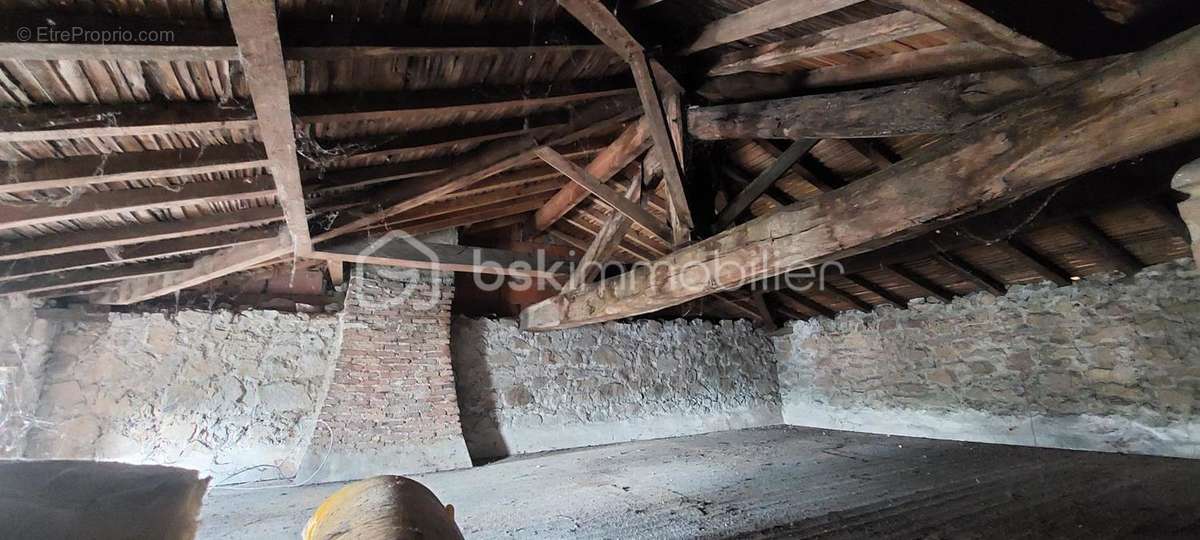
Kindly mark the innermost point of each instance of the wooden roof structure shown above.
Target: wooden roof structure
(153, 146)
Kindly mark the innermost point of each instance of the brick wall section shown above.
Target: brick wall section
(391, 407)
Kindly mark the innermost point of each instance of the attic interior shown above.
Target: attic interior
(644, 268)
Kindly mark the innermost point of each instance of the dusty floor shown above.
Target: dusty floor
(783, 483)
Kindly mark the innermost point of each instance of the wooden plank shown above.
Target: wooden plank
(207, 268)
(975, 275)
(257, 33)
(33, 266)
(977, 26)
(136, 234)
(134, 200)
(606, 194)
(759, 185)
(784, 54)
(1136, 105)
(84, 278)
(761, 18)
(939, 106)
(632, 142)
(337, 272)
(1107, 248)
(605, 243)
(79, 171)
(408, 252)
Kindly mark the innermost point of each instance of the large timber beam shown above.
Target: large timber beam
(1132, 106)
(257, 32)
(404, 251)
(606, 194)
(937, 106)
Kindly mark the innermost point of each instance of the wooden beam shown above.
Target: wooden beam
(764, 312)
(465, 218)
(257, 34)
(937, 106)
(669, 154)
(1028, 256)
(44, 123)
(135, 200)
(136, 234)
(973, 274)
(632, 142)
(605, 243)
(1108, 249)
(761, 18)
(977, 26)
(207, 268)
(878, 154)
(84, 278)
(605, 26)
(33, 266)
(759, 185)
(823, 183)
(79, 171)
(197, 40)
(847, 297)
(784, 54)
(487, 161)
(882, 292)
(803, 303)
(916, 281)
(407, 252)
(943, 60)
(1135, 104)
(606, 194)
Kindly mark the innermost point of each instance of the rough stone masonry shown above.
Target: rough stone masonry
(522, 392)
(1110, 365)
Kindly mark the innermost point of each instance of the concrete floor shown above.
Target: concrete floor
(782, 483)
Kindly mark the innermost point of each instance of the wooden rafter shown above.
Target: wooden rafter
(1028, 256)
(257, 33)
(783, 54)
(1136, 104)
(403, 252)
(605, 26)
(975, 275)
(939, 106)
(88, 277)
(761, 18)
(974, 24)
(133, 200)
(138, 252)
(1106, 247)
(920, 283)
(605, 243)
(759, 185)
(606, 194)
(882, 292)
(79, 171)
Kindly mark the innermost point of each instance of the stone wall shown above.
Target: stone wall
(217, 392)
(24, 345)
(522, 392)
(1105, 365)
(391, 407)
